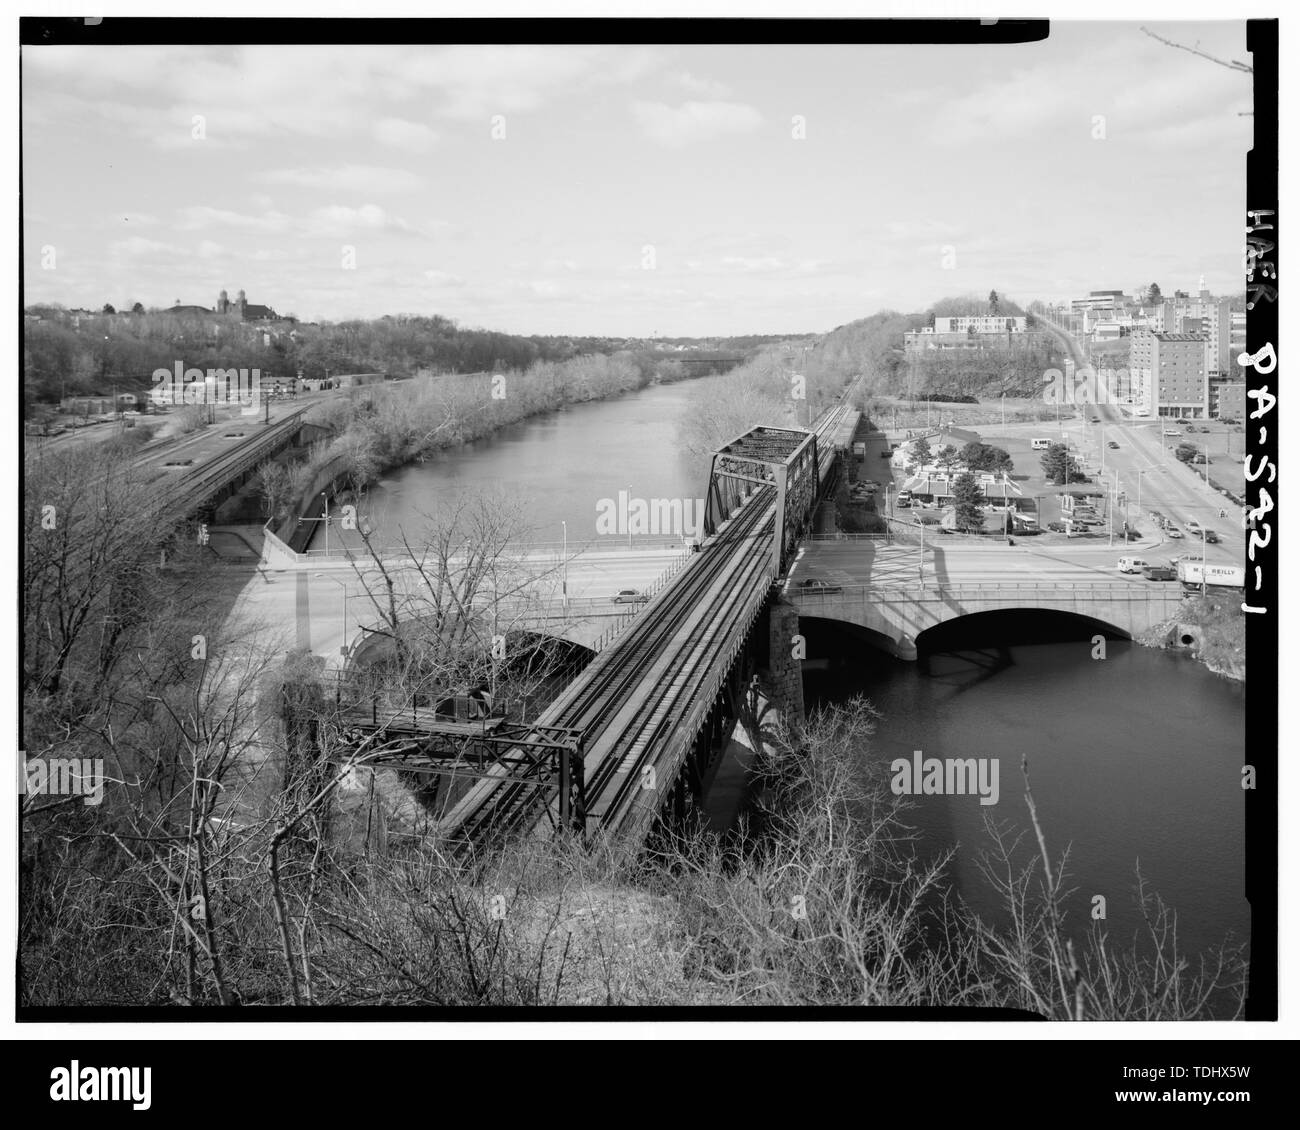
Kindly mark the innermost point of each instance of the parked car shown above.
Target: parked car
(816, 584)
(630, 596)
(1056, 527)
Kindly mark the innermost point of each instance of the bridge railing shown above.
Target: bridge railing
(842, 536)
(931, 589)
(611, 545)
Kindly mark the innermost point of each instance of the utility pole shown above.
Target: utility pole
(1202, 560)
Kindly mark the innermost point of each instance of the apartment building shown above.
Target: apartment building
(1168, 370)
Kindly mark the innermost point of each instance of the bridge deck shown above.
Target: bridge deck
(643, 700)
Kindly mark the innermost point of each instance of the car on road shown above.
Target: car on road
(1173, 531)
(1192, 526)
(1160, 573)
(816, 584)
(1171, 432)
(1156, 517)
(1132, 564)
(630, 596)
(1211, 537)
(1113, 445)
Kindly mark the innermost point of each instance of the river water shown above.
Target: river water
(567, 467)
(1133, 759)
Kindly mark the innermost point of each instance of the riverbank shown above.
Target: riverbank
(1213, 628)
(380, 429)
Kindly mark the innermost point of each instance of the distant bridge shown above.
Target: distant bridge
(199, 491)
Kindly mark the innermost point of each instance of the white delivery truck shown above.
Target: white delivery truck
(1193, 573)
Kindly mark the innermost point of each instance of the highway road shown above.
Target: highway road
(1146, 464)
(953, 562)
(303, 606)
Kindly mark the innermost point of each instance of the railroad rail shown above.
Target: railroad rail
(640, 702)
(191, 489)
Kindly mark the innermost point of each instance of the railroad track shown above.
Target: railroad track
(192, 488)
(622, 732)
(594, 701)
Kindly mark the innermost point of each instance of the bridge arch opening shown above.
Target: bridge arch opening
(1008, 626)
(827, 638)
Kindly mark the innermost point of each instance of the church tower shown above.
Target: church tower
(223, 303)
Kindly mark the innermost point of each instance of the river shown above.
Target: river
(561, 467)
(1134, 758)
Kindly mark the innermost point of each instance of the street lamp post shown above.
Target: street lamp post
(325, 519)
(1202, 560)
(564, 583)
(343, 647)
(629, 520)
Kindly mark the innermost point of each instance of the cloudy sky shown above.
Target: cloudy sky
(634, 190)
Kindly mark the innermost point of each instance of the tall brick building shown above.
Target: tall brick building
(1169, 371)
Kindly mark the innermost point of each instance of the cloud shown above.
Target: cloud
(402, 134)
(338, 219)
(138, 247)
(327, 221)
(134, 219)
(693, 122)
(196, 217)
(699, 86)
(477, 81)
(346, 178)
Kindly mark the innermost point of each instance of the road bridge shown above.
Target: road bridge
(200, 490)
(900, 613)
